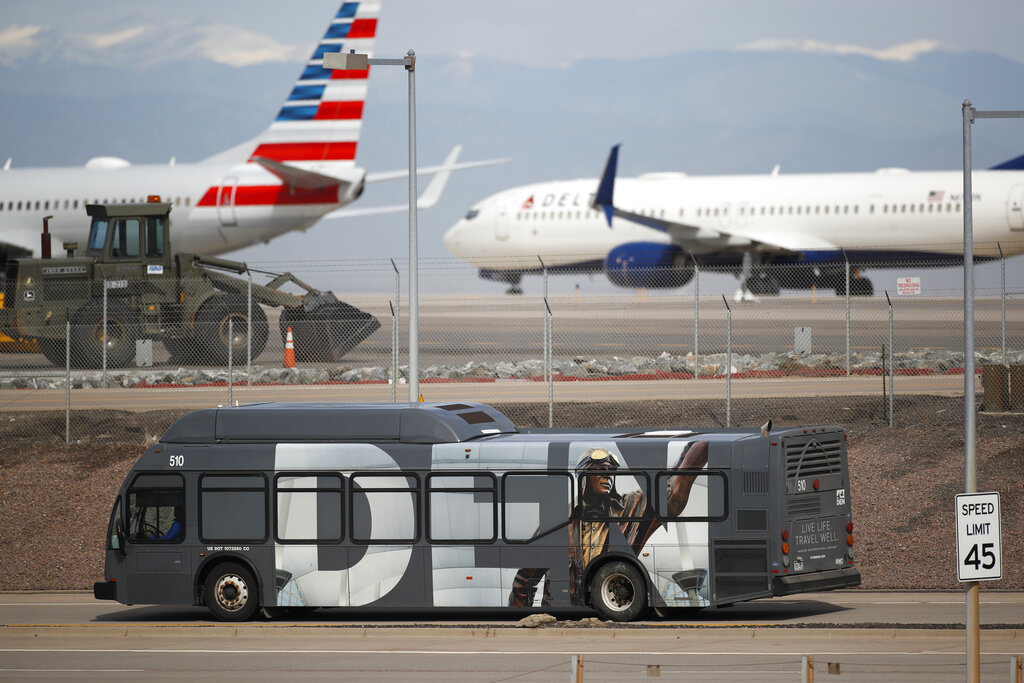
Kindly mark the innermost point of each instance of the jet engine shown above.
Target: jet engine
(648, 264)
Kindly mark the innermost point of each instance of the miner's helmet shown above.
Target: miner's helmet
(598, 458)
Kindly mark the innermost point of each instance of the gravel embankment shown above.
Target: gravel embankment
(56, 499)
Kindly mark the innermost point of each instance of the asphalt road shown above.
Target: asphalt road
(869, 636)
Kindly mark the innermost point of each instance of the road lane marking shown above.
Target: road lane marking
(591, 653)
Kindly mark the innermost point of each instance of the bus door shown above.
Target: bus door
(156, 558)
(501, 224)
(226, 200)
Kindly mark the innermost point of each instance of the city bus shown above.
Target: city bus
(282, 506)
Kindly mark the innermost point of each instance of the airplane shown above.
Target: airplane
(298, 170)
(772, 231)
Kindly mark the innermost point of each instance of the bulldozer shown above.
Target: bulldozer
(196, 305)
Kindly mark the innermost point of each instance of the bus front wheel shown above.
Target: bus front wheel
(231, 593)
(618, 592)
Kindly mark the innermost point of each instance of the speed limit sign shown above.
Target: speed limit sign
(978, 547)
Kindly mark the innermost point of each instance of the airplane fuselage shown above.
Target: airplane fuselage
(217, 207)
(889, 214)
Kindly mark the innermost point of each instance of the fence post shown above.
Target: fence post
(807, 669)
(231, 364)
(728, 364)
(104, 331)
(248, 345)
(396, 340)
(548, 325)
(696, 317)
(394, 354)
(67, 379)
(1002, 296)
(892, 369)
(576, 674)
(1016, 671)
(847, 313)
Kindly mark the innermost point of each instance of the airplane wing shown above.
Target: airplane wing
(448, 165)
(692, 238)
(24, 242)
(429, 196)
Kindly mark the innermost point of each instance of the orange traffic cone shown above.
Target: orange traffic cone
(289, 350)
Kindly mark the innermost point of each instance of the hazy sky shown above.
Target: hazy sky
(546, 32)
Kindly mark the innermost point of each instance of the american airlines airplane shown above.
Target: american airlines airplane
(297, 171)
(649, 231)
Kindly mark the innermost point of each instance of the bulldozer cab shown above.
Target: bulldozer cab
(125, 233)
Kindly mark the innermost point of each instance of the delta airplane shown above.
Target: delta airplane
(649, 231)
(297, 171)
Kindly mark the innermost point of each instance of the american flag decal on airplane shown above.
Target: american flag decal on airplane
(318, 127)
(936, 195)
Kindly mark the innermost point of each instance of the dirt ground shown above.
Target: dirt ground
(56, 498)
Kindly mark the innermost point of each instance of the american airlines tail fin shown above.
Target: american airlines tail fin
(318, 127)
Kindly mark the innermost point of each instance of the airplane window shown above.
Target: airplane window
(871, 208)
(680, 213)
(698, 213)
(75, 204)
(958, 208)
(663, 213)
(188, 200)
(46, 205)
(1, 206)
(920, 208)
(19, 206)
(762, 210)
(856, 208)
(716, 211)
(846, 209)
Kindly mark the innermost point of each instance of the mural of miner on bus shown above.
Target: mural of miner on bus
(616, 511)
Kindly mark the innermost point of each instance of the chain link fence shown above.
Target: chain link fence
(223, 340)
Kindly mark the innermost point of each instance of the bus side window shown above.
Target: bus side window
(233, 507)
(708, 500)
(384, 508)
(462, 508)
(309, 508)
(534, 504)
(155, 503)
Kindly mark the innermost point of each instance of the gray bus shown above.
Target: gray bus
(286, 505)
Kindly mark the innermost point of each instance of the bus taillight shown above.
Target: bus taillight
(849, 540)
(785, 548)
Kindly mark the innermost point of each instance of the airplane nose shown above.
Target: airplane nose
(452, 238)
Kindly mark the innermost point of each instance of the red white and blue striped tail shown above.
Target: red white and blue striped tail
(318, 127)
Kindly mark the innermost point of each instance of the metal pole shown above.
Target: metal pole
(414, 310)
(67, 379)
(847, 313)
(231, 363)
(394, 354)
(396, 314)
(728, 366)
(551, 374)
(696, 317)
(248, 345)
(807, 669)
(970, 480)
(104, 332)
(548, 349)
(1002, 296)
(892, 368)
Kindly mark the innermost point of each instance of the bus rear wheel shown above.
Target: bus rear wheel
(618, 592)
(231, 592)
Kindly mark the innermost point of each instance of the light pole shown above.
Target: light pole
(351, 61)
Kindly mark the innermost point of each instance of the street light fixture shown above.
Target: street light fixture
(351, 61)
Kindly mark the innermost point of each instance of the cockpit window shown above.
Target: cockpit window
(473, 213)
(98, 233)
